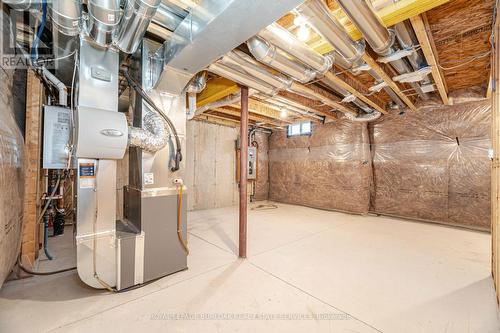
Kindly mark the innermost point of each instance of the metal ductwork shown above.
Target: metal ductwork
(136, 18)
(198, 83)
(197, 41)
(19, 4)
(65, 16)
(229, 100)
(285, 40)
(318, 15)
(406, 40)
(363, 117)
(168, 18)
(238, 59)
(272, 56)
(242, 78)
(376, 34)
(104, 17)
(364, 18)
(154, 135)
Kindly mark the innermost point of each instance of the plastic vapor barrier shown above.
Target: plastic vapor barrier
(433, 164)
(331, 169)
(11, 179)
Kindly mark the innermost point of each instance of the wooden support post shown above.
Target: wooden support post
(425, 40)
(29, 247)
(243, 172)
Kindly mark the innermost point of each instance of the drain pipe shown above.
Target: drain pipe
(60, 86)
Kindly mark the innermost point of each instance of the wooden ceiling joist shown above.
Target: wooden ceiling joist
(329, 75)
(252, 116)
(426, 43)
(215, 90)
(383, 75)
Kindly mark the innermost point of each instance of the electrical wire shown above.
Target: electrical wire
(55, 59)
(20, 265)
(38, 36)
(179, 221)
(471, 59)
(137, 87)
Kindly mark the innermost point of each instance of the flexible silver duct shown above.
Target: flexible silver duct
(285, 40)
(153, 137)
(240, 60)
(363, 117)
(65, 16)
(104, 17)
(316, 12)
(136, 18)
(242, 78)
(270, 55)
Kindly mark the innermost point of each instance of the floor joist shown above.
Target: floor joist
(425, 40)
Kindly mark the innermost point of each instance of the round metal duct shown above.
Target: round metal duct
(104, 17)
(65, 16)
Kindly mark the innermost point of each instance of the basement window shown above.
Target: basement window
(303, 128)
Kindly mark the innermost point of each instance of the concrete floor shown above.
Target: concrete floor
(308, 271)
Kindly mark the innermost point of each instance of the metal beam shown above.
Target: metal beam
(425, 40)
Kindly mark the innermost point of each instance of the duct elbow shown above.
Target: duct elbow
(198, 83)
(363, 117)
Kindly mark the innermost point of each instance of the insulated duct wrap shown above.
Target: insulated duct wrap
(433, 164)
(331, 169)
(11, 178)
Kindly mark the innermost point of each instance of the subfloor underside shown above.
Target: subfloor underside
(308, 270)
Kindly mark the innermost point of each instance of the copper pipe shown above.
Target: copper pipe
(243, 172)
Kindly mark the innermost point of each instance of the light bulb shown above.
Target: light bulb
(284, 113)
(303, 33)
(299, 21)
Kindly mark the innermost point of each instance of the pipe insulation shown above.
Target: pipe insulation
(154, 135)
